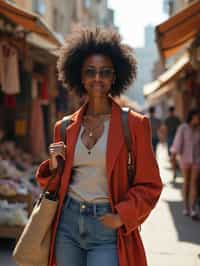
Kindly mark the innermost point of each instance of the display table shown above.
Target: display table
(7, 231)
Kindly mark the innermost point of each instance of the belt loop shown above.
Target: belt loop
(95, 209)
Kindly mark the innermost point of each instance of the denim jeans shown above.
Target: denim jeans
(81, 239)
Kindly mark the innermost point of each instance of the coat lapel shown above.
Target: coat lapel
(115, 139)
(72, 132)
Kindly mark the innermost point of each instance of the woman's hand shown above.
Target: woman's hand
(56, 149)
(111, 220)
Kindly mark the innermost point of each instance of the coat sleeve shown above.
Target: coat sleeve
(143, 195)
(43, 173)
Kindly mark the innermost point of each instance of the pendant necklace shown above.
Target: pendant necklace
(90, 131)
(91, 134)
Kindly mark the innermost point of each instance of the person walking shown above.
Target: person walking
(155, 125)
(187, 145)
(99, 213)
(172, 122)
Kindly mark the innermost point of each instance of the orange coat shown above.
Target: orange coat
(133, 204)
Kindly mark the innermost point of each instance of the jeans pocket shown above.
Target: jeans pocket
(104, 232)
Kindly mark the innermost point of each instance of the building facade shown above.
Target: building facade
(146, 57)
(65, 15)
(179, 84)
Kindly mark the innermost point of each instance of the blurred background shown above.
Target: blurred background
(165, 35)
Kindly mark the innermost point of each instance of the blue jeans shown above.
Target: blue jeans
(81, 239)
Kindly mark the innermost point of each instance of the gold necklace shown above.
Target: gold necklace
(90, 130)
(87, 119)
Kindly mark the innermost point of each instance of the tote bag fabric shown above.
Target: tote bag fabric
(32, 248)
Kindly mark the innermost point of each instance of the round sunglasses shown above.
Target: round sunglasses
(104, 73)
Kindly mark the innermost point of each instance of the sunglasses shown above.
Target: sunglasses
(104, 73)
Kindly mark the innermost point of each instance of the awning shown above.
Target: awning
(160, 94)
(29, 21)
(174, 33)
(168, 76)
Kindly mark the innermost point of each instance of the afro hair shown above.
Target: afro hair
(87, 41)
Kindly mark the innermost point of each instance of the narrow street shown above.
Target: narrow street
(170, 238)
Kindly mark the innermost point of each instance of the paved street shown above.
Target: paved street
(170, 239)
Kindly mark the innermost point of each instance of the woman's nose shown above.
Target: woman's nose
(97, 76)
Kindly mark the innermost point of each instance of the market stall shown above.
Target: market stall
(27, 92)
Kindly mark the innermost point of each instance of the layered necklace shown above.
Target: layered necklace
(93, 129)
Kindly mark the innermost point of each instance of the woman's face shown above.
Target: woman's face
(97, 75)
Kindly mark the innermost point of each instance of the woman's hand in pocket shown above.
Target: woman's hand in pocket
(111, 220)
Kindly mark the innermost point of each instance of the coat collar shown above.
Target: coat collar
(115, 135)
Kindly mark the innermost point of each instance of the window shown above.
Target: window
(39, 6)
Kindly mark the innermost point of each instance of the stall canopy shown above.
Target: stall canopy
(181, 28)
(168, 76)
(29, 21)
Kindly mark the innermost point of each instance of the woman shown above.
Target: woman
(187, 145)
(99, 215)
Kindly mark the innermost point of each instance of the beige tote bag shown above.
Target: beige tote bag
(32, 248)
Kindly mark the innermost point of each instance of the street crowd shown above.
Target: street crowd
(183, 143)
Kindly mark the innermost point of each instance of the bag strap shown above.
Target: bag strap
(61, 163)
(64, 124)
(66, 121)
(130, 166)
(127, 135)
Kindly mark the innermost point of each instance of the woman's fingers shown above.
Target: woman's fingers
(55, 150)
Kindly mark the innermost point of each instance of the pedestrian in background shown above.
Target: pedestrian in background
(187, 145)
(155, 124)
(172, 122)
(99, 213)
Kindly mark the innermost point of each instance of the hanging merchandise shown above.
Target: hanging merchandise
(24, 97)
(44, 95)
(10, 101)
(21, 127)
(37, 133)
(34, 89)
(9, 69)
